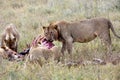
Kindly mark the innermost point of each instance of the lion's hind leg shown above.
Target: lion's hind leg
(106, 39)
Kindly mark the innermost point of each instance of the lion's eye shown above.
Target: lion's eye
(45, 33)
(5, 40)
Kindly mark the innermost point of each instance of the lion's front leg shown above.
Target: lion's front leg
(63, 48)
(16, 47)
(2, 42)
(69, 46)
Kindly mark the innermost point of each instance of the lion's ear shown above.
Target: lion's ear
(56, 27)
(14, 39)
(4, 47)
(44, 27)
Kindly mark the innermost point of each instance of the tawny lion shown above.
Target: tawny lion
(10, 37)
(80, 31)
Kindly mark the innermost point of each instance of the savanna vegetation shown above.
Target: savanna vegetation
(30, 15)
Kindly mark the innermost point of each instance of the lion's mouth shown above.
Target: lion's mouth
(50, 40)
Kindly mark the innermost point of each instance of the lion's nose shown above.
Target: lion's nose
(19, 56)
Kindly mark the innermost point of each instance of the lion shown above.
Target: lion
(80, 31)
(43, 52)
(41, 55)
(10, 37)
(7, 53)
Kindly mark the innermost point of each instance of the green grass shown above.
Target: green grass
(30, 15)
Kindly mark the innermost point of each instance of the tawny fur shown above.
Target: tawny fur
(10, 37)
(80, 31)
(7, 53)
(3, 53)
(41, 55)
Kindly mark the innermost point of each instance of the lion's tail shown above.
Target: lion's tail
(112, 29)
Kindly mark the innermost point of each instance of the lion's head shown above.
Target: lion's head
(51, 32)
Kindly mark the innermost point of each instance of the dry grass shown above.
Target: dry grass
(30, 15)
